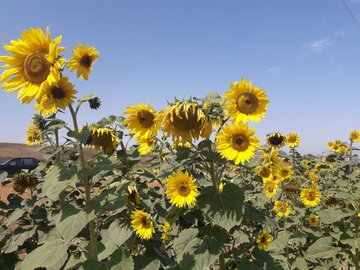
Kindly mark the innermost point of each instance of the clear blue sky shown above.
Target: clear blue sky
(306, 54)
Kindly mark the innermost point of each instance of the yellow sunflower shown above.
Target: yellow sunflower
(263, 171)
(55, 96)
(142, 224)
(146, 145)
(104, 138)
(314, 220)
(270, 188)
(355, 136)
(236, 142)
(181, 189)
(284, 172)
(142, 120)
(314, 179)
(264, 239)
(245, 102)
(35, 60)
(185, 121)
(310, 197)
(293, 139)
(276, 140)
(308, 164)
(83, 59)
(272, 160)
(282, 209)
(33, 135)
(165, 230)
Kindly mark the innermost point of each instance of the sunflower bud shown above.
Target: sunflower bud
(95, 103)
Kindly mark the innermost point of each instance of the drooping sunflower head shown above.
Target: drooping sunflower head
(33, 135)
(142, 120)
(22, 181)
(83, 59)
(181, 189)
(322, 166)
(293, 139)
(34, 60)
(215, 112)
(146, 145)
(276, 140)
(355, 136)
(185, 120)
(246, 102)
(165, 231)
(291, 188)
(264, 239)
(236, 142)
(270, 188)
(310, 197)
(104, 139)
(282, 209)
(313, 220)
(134, 196)
(55, 96)
(142, 224)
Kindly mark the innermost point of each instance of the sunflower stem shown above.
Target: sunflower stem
(222, 261)
(85, 181)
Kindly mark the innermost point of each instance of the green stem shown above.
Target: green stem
(286, 244)
(222, 261)
(85, 181)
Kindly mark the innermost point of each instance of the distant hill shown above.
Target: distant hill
(13, 150)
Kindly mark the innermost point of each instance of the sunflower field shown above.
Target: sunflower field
(187, 187)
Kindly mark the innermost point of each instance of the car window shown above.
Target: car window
(28, 161)
(15, 162)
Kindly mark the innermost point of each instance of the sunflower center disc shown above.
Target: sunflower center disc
(146, 118)
(145, 222)
(239, 142)
(265, 172)
(263, 239)
(311, 196)
(58, 93)
(184, 190)
(189, 122)
(36, 67)
(247, 103)
(85, 61)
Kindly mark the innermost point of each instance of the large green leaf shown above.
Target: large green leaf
(18, 237)
(198, 253)
(331, 215)
(224, 208)
(262, 261)
(57, 180)
(71, 221)
(52, 255)
(321, 249)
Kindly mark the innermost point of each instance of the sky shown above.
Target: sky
(305, 54)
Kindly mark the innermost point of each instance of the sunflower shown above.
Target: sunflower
(276, 140)
(104, 138)
(146, 145)
(314, 179)
(270, 188)
(272, 160)
(282, 209)
(310, 197)
(263, 171)
(245, 102)
(55, 96)
(355, 136)
(314, 220)
(264, 239)
(35, 60)
(142, 120)
(237, 143)
(293, 139)
(142, 224)
(83, 59)
(185, 120)
(33, 135)
(181, 189)
(165, 230)
(322, 166)
(284, 172)
(308, 164)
